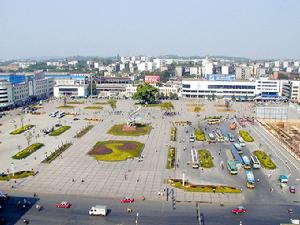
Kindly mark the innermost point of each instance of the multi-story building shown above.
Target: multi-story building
(242, 73)
(291, 90)
(112, 86)
(6, 97)
(179, 71)
(267, 89)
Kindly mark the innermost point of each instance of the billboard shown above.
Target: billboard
(152, 79)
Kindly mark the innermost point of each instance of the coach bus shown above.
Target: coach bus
(246, 162)
(231, 166)
(213, 121)
(238, 148)
(211, 137)
(231, 137)
(236, 156)
(250, 179)
(255, 163)
(195, 160)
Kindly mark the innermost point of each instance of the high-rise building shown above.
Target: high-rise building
(242, 73)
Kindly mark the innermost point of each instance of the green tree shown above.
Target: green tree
(112, 103)
(166, 106)
(145, 93)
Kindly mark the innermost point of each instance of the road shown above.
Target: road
(150, 212)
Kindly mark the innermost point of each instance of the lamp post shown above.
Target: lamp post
(12, 169)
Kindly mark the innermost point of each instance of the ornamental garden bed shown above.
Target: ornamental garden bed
(22, 129)
(205, 158)
(246, 136)
(171, 158)
(59, 131)
(57, 152)
(75, 103)
(28, 151)
(116, 150)
(200, 135)
(84, 131)
(93, 107)
(173, 134)
(265, 160)
(66, 107)
(212, 117)
(177, 183)
(141, 129)
(17, 175)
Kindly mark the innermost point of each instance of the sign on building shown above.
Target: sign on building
(152, 79)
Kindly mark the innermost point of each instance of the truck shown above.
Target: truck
(98, 210)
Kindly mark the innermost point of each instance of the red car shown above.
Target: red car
(238, 210)
(127, 200)
(63, 205)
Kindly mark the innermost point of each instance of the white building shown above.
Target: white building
(291, 90)
(70, 90)
(267, 89)
(225, 70)
(178, 71)
(242, 73)
(6, 97)
(194, 70)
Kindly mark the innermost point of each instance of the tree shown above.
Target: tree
(213, 96)
(227, 104)
(145, 94)
(166, 106)
(112, 103)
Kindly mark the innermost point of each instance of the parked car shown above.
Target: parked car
(238, 210)
(58, 125)
(292, 189)
(76, 119)
(127, 200)
(63, 204)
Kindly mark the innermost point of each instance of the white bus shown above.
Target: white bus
(53, 114)
(192, 138)
(246, 162)
(255, 163)
(242, 142)
(195, 160)
(212, 137)
(60, 114)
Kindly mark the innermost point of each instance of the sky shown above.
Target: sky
(257, 29)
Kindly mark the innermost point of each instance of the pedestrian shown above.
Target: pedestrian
(73, 180)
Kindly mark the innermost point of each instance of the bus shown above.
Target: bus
(212, 137)
(246, 162)
(254, 161)
(250, 179)
(213, 121)
(236, 156)
(230, 137)
(60, 114)
(195, 160)
(220, 137)
(242, 142)
(192, 138)
(231, 166)
(238, 148)
(53, 114)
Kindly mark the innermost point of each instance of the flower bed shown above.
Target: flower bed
(17, 175)
(141, 129)
(56, 153)
(59, 131)
(212, 117)
(93, 107)
(205, 158)
(246, 136)
(173, 134)
(114, 150)
(264, 159)
(171, 158)
(200, 135)
(22, 129)
(66, 107)
(84, 131)
(28, 151)
(177, 183)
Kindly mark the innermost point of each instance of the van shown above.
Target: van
(98, 210)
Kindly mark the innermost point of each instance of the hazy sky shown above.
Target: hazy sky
(249, 28)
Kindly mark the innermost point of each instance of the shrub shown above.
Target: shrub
(28, 151)
(246, 136)
(21, 129)
(83, 131)
(173, 134)
(171, 158)
(56, 153)
(264, 159)
(59, 131)
(205, 158)
(200, 135)
(17, 175)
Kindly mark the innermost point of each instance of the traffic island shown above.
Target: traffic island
(16, 175)
(114, 150)
(200, 135)
(28, 151)
(56, 153)
(139, 130)
(265, 160)
(189, 187)
(22, 129)
(59, 131)
(246, 136)
(205, 158)
(93, 107)
(66, 107)
(83, 131)
(171, 158)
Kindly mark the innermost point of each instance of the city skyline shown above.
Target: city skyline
(195, 28)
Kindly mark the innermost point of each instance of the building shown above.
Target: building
(228, 77)
(225, 70)
(242, 73)
(166, 90)
(6, 97)
(291, 90)
(179, 71)
(267, 89)
(240, 90)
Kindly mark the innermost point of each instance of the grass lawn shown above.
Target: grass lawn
(246, 136)
(59, 131)
(82, 132)
(57, 153)
(152, 105)
(66, 107)
(75, 103)
(171, 158)
(28, 151)
(205, 158)
(200, 135)
(203, 188)
(17, 175)
(114, 150)
(264, 160)
(21, 129)
(100, 103)
(141, 129)
(93, 107)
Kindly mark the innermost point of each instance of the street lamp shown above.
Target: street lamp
(12, 169)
